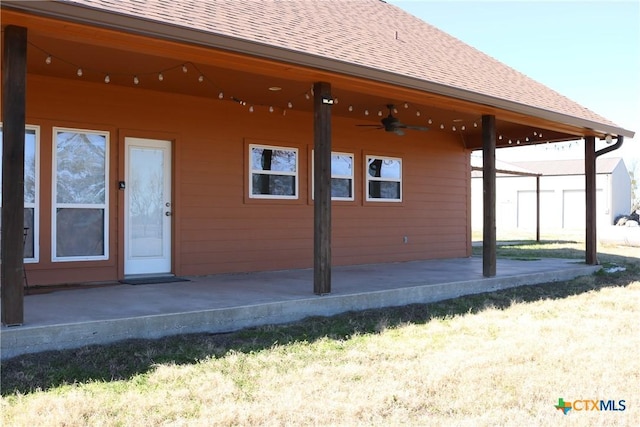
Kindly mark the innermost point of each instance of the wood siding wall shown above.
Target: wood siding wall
(217, 228)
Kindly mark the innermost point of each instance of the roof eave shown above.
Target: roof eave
(127, 23)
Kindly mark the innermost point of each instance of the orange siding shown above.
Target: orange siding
(217, 228)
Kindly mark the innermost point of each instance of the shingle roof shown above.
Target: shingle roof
(367, 33)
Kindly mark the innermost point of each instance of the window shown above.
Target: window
(80, 195)
(273, 172)
(341, 176)
(384, 179)
(31, 191)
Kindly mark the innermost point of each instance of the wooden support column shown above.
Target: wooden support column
(591, 253)
(322, 102)
(14, 57)
(489, 195)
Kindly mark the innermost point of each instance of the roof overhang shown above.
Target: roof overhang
(130, 24)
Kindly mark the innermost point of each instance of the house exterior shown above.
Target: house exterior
(191, 138)
(562, 194)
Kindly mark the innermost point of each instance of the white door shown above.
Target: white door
(147, 208)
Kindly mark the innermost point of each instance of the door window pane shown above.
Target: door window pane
(146, 202)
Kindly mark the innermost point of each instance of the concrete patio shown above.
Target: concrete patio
(228, 302)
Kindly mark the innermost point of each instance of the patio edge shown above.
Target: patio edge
(16, 341)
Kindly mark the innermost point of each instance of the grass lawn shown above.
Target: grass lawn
(500, 358)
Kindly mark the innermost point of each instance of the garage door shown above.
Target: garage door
(527, 209)
(574, 208)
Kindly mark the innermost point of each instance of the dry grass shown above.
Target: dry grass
(502, 358)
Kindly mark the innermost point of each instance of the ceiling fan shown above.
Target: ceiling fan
(393, 124)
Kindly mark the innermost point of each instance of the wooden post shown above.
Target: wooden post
(538, 208)
(591, 254)
(322, 102)
(14, 58)
(489, 195)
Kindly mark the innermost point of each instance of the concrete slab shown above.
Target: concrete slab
(229, 302)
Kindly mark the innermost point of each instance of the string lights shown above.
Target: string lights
(458, 125)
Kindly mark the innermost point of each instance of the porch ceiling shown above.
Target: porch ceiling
(247, 79)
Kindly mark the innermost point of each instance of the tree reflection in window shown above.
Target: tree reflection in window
(80, 220)
(384, 179)
(30, 191)
(274, 172)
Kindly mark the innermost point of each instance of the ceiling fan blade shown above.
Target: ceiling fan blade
(423, 128)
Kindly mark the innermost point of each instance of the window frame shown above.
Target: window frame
(55, 205)
(295, 174)
(35, 205)
(369, 179)
(352, 177)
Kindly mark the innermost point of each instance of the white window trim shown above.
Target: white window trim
(35, 205)
(369, 178)
(265, 172)
(350, 177)
(55, 205)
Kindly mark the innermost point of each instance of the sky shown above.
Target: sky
(588, 51)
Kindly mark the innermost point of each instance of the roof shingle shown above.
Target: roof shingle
(368, 33)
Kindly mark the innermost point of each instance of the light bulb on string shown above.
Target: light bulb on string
(464, 128)
(453, 128)
(201, 78)
(306, 95)
(48, 60)
(271, 109)
(379, 113)
(251, 109)
(107, 79)
(290, 104)
(79, 72)
(366, 112)
(350, 107)
(160, 77)
(184, 68)
(395, 110)
(406, 105)
(335, 100)
(441, 126)
(220, 95)
(430, 121)
(418, 113)
(136, 80)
